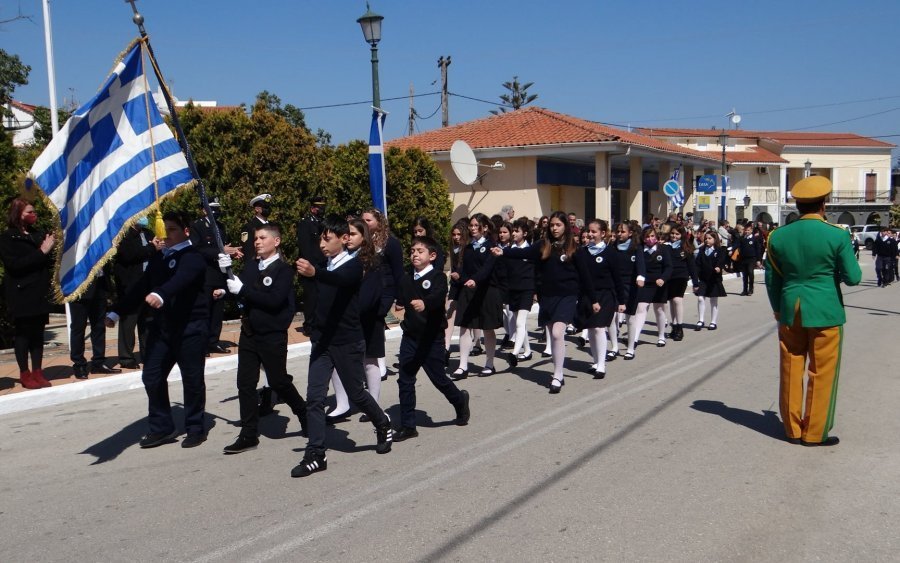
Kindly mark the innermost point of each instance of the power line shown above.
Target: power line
(845, 120)
(369, 102)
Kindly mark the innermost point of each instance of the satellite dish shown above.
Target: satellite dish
(735, 119)
(463, 162)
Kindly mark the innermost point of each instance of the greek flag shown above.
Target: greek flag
(377, 176)
(677, 200)
(107, 165)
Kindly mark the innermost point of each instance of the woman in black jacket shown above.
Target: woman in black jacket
(27, 263)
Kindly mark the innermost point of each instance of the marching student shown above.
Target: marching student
(480, 299)
(360, 245)
(711, 261)
(391, 254)
(604, 293)
(683, 269)
(554, 257)
(422, 294)
(630, 263)
(520, 277)
(658, 266)
(459, 238)
(422, 228)
(338, 344)
(173, 285)
(751, 255)
(504, 239)
(266, 290)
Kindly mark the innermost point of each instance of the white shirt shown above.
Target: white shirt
(424, 271)
(336, 262)
(263, 264)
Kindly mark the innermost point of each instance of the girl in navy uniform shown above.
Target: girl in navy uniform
(391, 254)
(504, 239)
(459, 238)
(711, 262)
(630, 264)
(651, 289)
(422, 228)
(520, 277)
(555, 258)
(683, 269)
(480, 299)
(604, 293)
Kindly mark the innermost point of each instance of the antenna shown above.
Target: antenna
(465, 166)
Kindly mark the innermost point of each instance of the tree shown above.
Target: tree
(517, 96)
(43, 130)
(13, 73)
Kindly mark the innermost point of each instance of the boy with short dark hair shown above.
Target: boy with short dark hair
(423, 294)
(338, 344)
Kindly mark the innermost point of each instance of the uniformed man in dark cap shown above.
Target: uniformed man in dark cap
(805, 262)
(309, 229)
(262, 208)
(203, 238)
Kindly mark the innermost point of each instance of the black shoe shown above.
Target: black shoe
(554, 389)
(477, 351)
(364, 418)
(546, 355)
(712, 326)
(155, 439)
(506, 344)
(311, 463)
(101, 368)
(217, 349)
(242, 444)
(129, 365)
(699, 326)
(744, 294)
(384, 435)
(629, 355)
(487, 372)
(81, 371)
(193, 440)
(462, 409)
(524, 357)
(829, 441)
(581, 342)
(677, 333)
(512, 360)
(337, 419)
(661, 343)
(599, 374)
(459, 374)
(405, 433)
(611, 356)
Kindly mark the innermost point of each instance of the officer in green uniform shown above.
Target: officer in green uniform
(805, 264)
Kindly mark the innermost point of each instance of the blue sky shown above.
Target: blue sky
(672, 64)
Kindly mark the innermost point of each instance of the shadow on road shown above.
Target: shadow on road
(766, 423)
(478, 528)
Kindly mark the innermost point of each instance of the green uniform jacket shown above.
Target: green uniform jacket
(805, 263)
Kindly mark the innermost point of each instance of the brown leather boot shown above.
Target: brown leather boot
(38, 376)
(27, 380)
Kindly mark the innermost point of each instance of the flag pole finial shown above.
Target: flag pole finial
(137, 18)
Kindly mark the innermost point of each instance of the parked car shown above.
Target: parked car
(866, 234)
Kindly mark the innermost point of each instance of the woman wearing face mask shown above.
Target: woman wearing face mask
(554, 257)
(630, 263)
(658, 264)
(602, 295)
(711, 261)
(683, 269)
(27, 258)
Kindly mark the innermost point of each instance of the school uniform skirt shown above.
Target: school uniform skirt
(651, 293)
(711, 288)
(480, 307)
(676, 287)
(557, 309)
(373, 330)
(519, 299)
(587, 318)
(632, 300)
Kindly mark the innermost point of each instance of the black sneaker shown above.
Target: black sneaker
(385, 436)
(242, 444)
(311, 463)
(155, 439)
(193, 440)
(462, 409)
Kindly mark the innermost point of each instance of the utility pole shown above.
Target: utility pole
(412, 112)
(445, 109)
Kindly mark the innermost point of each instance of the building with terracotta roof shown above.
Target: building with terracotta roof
(19, 120)
(560, 162)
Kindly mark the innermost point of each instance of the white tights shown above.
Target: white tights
(558, 348)
(598, 347)
(373, 382)
(714, 305)
(640, 317)
(466, 344)
(676, 308)
(521, 343)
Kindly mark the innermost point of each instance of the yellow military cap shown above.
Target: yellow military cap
(811, 189)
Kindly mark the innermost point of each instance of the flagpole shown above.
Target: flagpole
(138, 20)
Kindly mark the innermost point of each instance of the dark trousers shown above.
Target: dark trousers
(188, 350)
(309, 302)
(347, 359)
(81, 312)
(127, 324)
(884, 270)
(216, 316)
(269, 351)
(746, 268)
(430, 357)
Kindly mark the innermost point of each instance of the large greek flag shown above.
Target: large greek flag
(377, 176)
(105, 167)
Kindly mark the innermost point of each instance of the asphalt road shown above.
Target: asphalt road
(675, 456)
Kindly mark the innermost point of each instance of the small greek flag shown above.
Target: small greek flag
(108, 164)
(377, 176)
(677, 200)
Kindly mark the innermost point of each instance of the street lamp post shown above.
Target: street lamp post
(723, 140)
(807, 168)
(370, 22)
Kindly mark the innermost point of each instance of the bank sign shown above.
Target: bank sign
(707, 184)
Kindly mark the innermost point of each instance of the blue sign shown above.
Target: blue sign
(671, 187)
(707, 184)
